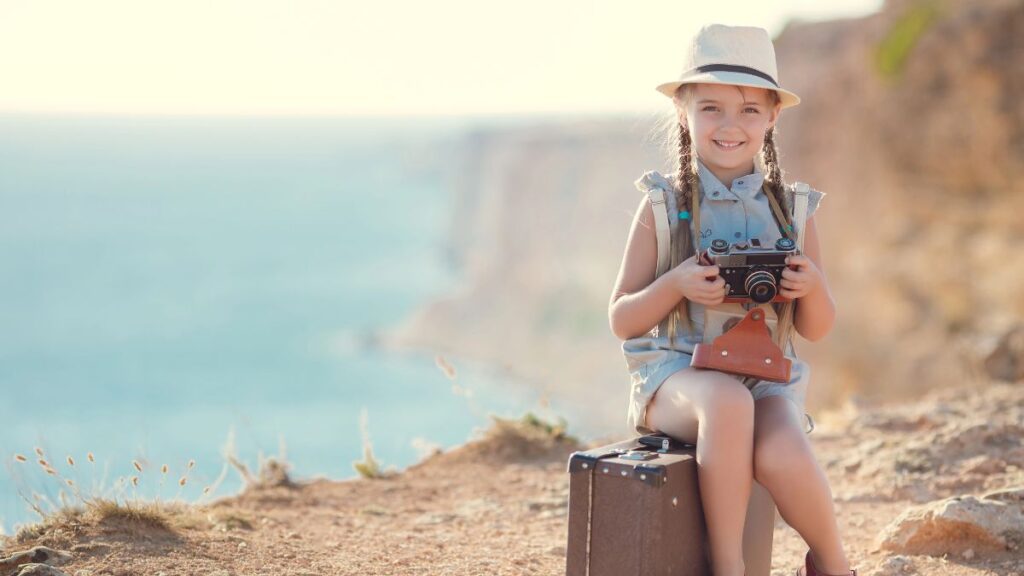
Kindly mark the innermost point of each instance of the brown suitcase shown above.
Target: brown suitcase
(635, 509)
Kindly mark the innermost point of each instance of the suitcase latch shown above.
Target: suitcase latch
(637, 455)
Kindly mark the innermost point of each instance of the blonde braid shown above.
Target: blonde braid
(786, 312)
(687, 237)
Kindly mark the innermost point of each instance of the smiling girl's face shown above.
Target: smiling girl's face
(727, 125)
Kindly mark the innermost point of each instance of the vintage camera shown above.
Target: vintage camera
(753, 272)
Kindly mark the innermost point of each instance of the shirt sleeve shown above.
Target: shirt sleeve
(813, 200)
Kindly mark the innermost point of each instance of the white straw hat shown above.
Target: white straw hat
(739, 55)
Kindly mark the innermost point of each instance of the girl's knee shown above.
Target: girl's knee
(783, 450)
(692, 398)
(727, 397)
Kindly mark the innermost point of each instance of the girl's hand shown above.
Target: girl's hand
(802, 281)
(699, 283)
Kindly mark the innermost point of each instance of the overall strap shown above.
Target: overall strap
(801, 192)
(662, 227)
(662, 204)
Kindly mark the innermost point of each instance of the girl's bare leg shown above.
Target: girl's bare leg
(784, 463)
(716, 412)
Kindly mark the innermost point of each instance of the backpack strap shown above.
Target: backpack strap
(801, 191)
(663, 203)
(798, 192)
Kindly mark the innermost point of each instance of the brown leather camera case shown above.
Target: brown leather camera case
(745, 350)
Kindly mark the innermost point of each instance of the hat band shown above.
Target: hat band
(731, 68)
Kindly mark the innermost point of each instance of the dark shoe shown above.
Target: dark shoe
(808, 569)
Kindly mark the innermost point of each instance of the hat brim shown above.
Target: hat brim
(786, 97)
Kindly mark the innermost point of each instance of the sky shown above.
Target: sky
(319, 57)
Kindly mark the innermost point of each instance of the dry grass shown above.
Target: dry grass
(144, 515)
(121, 505)
(369, 467)
(526, 440)
(270, 472)
(60, 518)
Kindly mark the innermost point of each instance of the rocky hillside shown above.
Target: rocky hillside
(910, 121)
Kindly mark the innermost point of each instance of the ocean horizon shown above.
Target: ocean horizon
(168, 282)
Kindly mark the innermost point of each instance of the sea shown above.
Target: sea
(174, 289)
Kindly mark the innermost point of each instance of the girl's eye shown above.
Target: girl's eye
(749, 108)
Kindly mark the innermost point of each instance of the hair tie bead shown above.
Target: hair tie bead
(684, 215)
(789, 227)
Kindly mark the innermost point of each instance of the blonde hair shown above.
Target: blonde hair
(686, 240)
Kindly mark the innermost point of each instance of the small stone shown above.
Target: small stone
(896, 566)
(36, 569)
(92, 548)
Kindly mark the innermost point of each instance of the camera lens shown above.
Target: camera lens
(760, 286)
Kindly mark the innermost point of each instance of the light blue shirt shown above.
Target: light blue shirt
(732, 213)
(741, 211)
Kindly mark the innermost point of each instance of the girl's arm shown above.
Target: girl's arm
(815, 311)
(638, 301)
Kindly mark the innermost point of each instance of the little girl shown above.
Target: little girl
(727, 102)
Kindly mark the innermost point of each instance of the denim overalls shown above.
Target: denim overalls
(730, 214)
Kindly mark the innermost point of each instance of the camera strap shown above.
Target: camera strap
(799, 192)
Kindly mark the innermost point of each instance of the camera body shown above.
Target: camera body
(753, 272)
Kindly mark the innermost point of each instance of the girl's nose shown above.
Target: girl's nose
(728, 122)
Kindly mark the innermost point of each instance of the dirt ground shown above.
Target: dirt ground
(498, 504)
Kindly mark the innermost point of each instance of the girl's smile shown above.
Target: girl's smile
(728, 144)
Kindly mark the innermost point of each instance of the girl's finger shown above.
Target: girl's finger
(799, 277)
(708, 271)
(714, 294)
(709, 294)
(793, 283)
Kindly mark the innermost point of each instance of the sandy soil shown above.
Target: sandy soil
(497, 505)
